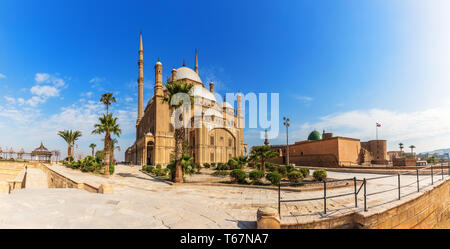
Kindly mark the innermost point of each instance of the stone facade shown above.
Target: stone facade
(215, 134)
(333, 152)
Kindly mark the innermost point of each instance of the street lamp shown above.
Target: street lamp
(286, 123)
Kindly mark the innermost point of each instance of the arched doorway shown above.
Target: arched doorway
(150, 158)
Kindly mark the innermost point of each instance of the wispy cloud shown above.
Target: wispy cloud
(2, 76)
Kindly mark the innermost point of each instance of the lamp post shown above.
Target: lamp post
(286, 123)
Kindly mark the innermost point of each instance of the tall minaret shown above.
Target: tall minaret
(140, 80)
(266, 141)
(196, 61)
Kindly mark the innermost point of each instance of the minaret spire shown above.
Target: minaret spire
(266, 141)
(140, 80)
(196, 61)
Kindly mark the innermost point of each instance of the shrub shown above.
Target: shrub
(238, 175)
(271, 167)
(213, 165)
(111, 169)
(305, 172)
(295, 176)
(206, 165)
(282, 170)
(273, 177)
(290, 168)
(319, 174)
(160, 171)
(233, 164)
(221, 173)
(148, 168)
(222, 166)
(256, 175)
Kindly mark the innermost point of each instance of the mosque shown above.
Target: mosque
(332, 151)
(216, 136)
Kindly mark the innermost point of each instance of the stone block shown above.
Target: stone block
(106, 189)
(267, 218)
(5, 188)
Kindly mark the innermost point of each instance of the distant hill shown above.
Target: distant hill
(439, 151)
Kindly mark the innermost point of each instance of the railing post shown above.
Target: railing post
(431, 174)
(417, 173)
(279, 198)
(442, 171)
(356, 195)
(398, 175)
(365, 195)
(324, 197)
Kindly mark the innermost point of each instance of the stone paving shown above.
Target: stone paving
(141, 201)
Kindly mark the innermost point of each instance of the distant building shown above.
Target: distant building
(394, 154)
(327, 150)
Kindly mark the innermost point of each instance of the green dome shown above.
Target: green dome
(315, 135)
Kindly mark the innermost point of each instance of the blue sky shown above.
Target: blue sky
(337, 65)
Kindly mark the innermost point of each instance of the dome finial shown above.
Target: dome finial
(184, 63)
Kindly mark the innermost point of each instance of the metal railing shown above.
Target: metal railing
(363, 187)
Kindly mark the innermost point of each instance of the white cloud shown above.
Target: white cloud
(45, 91)
(10, 100)
(42, 77)
(129, 99)
(304, 99)
(2, 76)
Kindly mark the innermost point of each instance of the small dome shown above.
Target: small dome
(227, 105)
(158, 63)
(314, 136)
(187, 73)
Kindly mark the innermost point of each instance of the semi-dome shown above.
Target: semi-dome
(227, 105)
(187, 73)
(200, 91)
(314, 136)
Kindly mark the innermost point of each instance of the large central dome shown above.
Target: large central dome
(187, 73)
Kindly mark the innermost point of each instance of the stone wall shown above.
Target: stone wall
(404, 162)
(323, 160)
(430, 209)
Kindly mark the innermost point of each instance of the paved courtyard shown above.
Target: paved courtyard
(140, 201)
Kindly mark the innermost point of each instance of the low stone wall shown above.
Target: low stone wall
(429, 209)
(404, 161)
(20, 180)
(57, 179)
(16, 176)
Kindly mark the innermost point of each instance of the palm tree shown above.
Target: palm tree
(262, 153)
(70, 137)
(401, 147)
(76, 135)
(174, 88)
(113, 146)
(242, 161)
(107, 99)
(107, 125)
(412, 149)
(92, 146)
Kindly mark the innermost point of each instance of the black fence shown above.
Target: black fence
(431, 176)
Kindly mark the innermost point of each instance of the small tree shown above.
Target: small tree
(273, 177)
(92, 146)
(262, 153)
(256, 175)
(320, 175)
(238, 175)
(295, 176)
